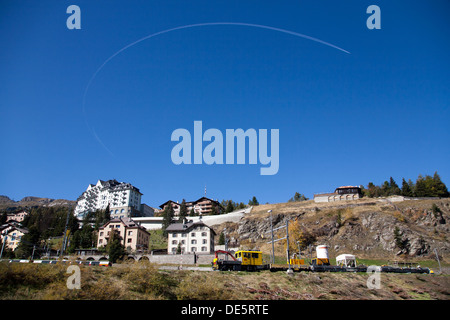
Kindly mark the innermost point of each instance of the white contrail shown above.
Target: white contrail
(186, 27)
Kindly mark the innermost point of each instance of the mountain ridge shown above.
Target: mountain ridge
(32, 201)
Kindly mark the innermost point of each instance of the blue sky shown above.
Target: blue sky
(344, 119)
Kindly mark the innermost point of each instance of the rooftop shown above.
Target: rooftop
(187, 226)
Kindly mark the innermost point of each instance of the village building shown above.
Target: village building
(202, 206)
(19, 216)
(11, 235)
(340, 194)
(134, 237)
(190, 237)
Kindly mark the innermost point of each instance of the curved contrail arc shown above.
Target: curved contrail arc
(296, 34)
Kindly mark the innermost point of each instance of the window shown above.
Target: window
(204, 249)
(174, 234)
(193, 249)
(204, 241)
(204, 234)
(193, 234)
(122, 211)
(129, 240)
(193, 241)
(174, 241)
(130, 233)
(101, 234)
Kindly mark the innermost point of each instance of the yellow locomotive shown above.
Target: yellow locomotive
(242, 260)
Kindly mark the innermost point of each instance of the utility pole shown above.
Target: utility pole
(225, 240)
(32, 254)
(437, 257)
(3, 245)
(271, 229)
(289, 271)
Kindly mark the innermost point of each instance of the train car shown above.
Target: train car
(242, 260)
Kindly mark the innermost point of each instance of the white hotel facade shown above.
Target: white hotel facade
(124, 200)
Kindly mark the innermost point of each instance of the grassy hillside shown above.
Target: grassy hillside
(143, 281)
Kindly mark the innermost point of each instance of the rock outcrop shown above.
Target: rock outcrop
(415, 228)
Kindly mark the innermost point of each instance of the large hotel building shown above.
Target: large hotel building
(124, 200)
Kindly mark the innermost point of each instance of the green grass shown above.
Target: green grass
(157, 240)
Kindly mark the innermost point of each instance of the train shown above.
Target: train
(252, 260)
(242, 260)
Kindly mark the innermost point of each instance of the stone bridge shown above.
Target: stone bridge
(154, 258)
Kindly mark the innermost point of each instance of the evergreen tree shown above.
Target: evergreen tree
(440, 189)
(87, 237)
(215, 209)
(385, 189)
(406, 189)
(299, 197)
(101, 217)
(221, 239)
(253, 202)
(393, 187)
(229, 207)
(116, 249)
(74, 242)
(192, 213)
(424, 187)
(412, 186)
(430, 190)
(3, 218)
(421, 187)
(168, 217)
(183, 211)
(28, 240)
